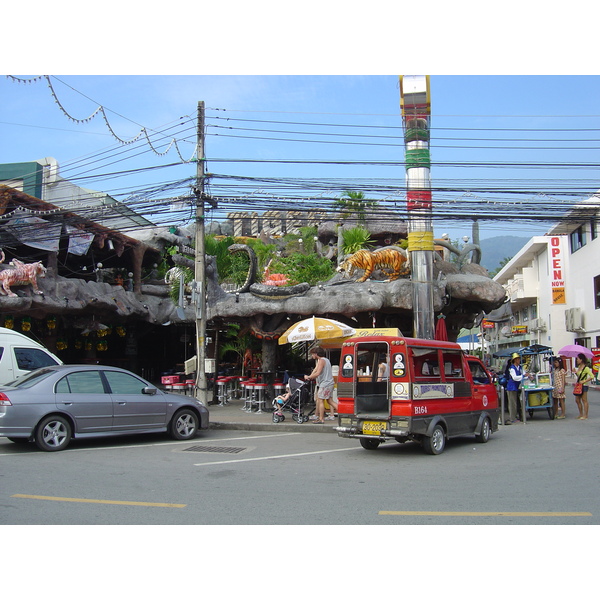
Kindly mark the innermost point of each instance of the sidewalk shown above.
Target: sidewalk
(231, 416)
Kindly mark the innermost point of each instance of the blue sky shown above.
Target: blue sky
(247, 114)
(330, 76)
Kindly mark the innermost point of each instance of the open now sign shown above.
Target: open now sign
(556, 256)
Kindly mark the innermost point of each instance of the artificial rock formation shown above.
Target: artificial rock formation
(462, 294)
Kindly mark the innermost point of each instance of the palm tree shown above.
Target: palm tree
(354, 203)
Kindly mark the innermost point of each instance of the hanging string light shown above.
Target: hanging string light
(143, 133)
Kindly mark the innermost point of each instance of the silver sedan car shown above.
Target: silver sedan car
(52, 405)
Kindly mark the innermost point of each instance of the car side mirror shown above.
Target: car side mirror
(151, 391)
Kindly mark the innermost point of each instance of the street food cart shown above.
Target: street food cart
(537, 392)
(537, 389)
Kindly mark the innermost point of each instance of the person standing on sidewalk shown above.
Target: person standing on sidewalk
(515, 377)
(323, 375)
(559, 379)
(584, 376)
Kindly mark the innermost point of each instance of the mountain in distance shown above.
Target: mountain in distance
(495, 249)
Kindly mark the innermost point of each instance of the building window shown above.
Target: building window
(533, 311)
(577, 239)
(593, 228)
(597, 291)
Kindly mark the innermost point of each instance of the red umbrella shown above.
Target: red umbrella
(441, 334)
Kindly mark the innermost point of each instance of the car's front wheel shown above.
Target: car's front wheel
(53, 433)
(184, 424)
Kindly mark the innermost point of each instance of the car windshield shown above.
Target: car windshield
(30, 379)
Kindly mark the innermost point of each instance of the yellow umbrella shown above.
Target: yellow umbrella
(316, 328)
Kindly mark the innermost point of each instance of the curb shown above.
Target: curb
(274, 427)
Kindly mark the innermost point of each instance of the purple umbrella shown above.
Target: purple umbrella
(573, 350)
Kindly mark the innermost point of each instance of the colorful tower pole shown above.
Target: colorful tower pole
(416, 110)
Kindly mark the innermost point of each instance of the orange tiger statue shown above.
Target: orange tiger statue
(21, 274)
(393, 260)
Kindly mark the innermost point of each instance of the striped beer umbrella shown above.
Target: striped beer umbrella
(316, 328)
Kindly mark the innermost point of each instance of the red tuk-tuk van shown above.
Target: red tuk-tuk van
(395, 388)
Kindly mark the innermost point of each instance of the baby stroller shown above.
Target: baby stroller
(298, 402)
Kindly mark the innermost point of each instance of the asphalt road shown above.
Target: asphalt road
(545, 472)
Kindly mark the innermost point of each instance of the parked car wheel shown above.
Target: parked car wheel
(184, 424)
(53, 433)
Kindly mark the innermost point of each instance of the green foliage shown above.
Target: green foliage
(264, 252)
(502, 264)
(300, 268)
(188, 275)
(231, 268)
(293, 244)
(355, 239)
(354, 203)
(237, 344)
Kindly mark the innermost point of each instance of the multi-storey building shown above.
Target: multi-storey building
(553, 286)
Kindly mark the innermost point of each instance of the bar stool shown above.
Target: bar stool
(221, 390)
(179, 387)
(189, 384)
(259, 395)
(230, 387)
(237, 386)
(248, 391)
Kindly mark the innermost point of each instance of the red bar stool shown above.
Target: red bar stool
(179, 387)
(259, 395)
(248, 389)
(237, 385)
(221, 390)
(189, 384)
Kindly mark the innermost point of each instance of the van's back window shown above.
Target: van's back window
(32, 358)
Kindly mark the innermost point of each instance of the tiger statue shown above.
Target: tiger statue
(21, 274)
(393, 260)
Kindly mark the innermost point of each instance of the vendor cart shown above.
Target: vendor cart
(537, 392)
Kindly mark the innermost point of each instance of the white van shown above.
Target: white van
(20, 355)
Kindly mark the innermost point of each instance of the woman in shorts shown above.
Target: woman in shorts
(584, 376)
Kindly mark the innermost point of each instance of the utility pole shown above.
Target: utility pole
(416, 109)
(200, 265)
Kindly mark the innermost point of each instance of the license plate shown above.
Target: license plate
(374, 427)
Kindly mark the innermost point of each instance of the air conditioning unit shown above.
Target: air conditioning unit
(538, 325)
(574, 319)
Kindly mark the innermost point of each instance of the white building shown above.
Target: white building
(553, 286)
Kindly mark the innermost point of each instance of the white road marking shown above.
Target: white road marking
(196, 441)
(241, 460)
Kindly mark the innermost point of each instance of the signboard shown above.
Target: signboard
(487, 324)
(556, 256)
(596, 364)
(518, 329)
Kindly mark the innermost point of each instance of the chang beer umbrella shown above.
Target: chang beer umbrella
(316, 328)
